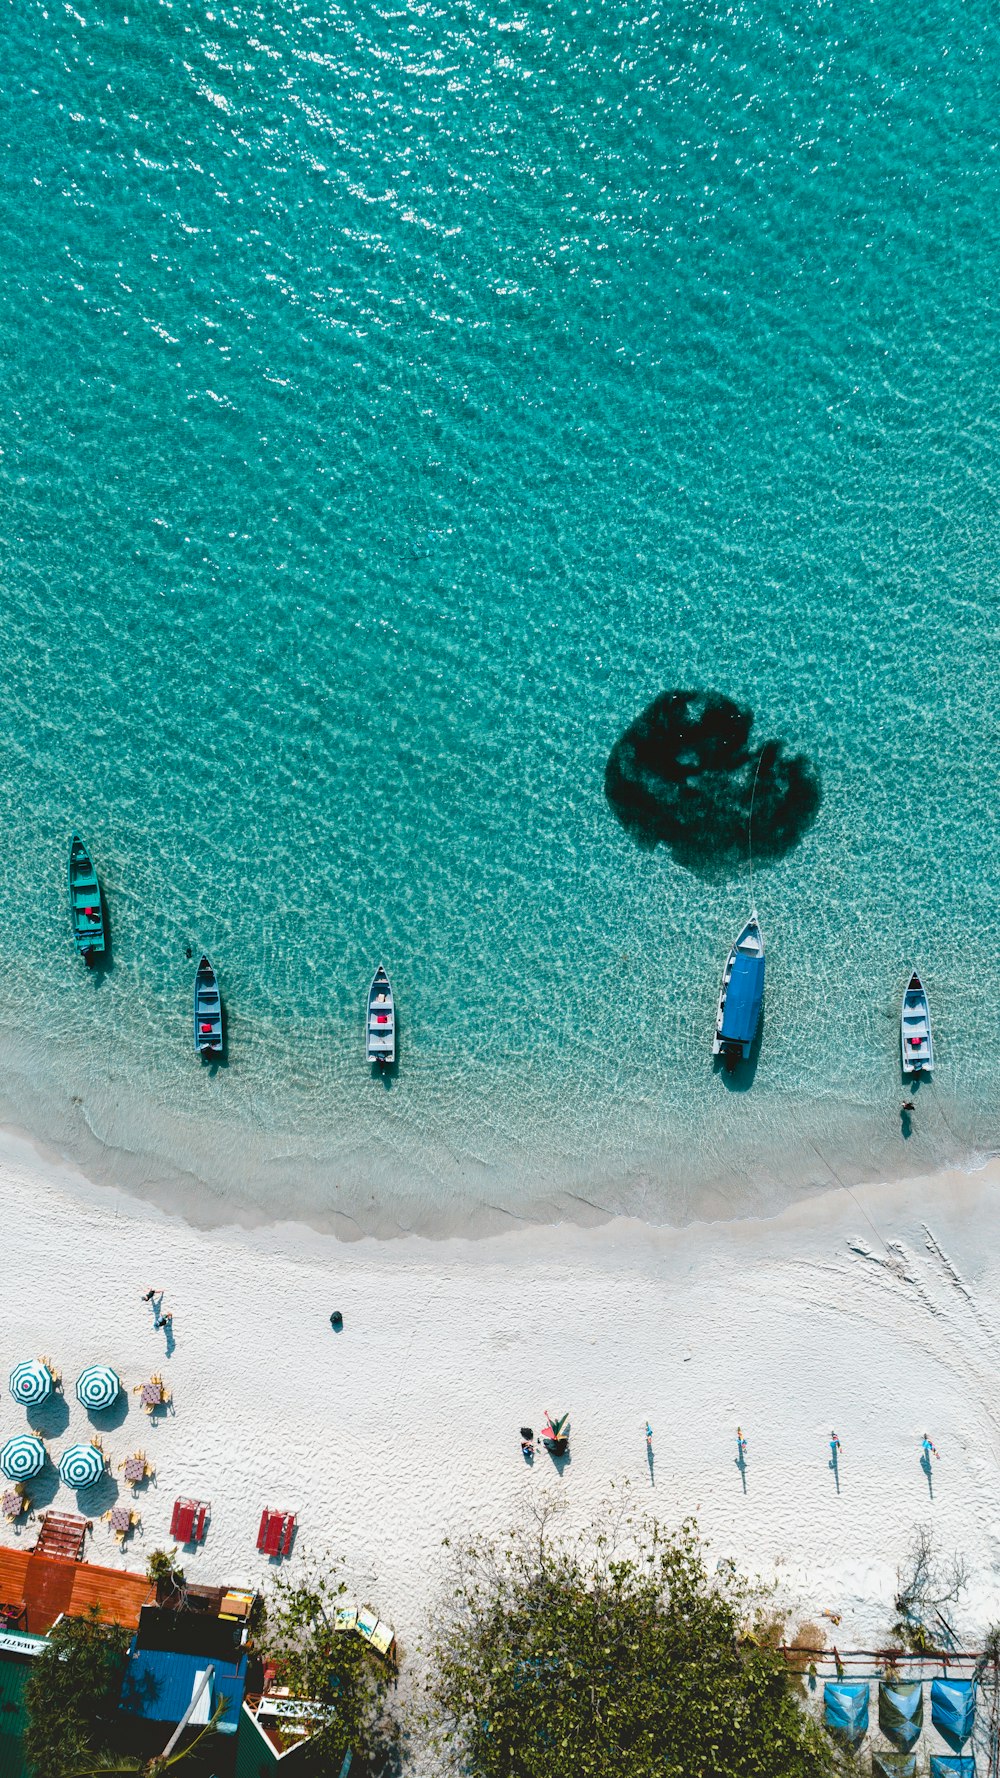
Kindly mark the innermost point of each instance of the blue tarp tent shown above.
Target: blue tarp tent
(743, 998)
(952, 1765)
(901, 1710)
(953, 1706)
(846, 1705)
(894, 1765)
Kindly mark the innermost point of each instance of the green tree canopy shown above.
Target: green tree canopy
(616, 1656)
(73, 1693)
(334, 1670)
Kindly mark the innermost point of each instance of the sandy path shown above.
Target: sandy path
(403, 1429)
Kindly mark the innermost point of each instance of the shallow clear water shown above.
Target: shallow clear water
(395, 401)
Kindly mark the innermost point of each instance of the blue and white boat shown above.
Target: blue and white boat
(915, 1037)
(86, 908)
(741, 996)
(380, 1033)
(207, 1010)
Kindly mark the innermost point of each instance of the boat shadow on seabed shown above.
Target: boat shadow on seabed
(741, 1078)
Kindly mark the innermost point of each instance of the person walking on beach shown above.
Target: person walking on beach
(150, 1295)
(163, 1321)
(834, 1448)
(928, 1450)
(741, 1446)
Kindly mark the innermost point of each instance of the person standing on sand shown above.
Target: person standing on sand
(150, 1295)
(164, 1321)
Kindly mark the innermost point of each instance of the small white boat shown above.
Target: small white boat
(741, 996)
(915, 1038)
(380, 1037)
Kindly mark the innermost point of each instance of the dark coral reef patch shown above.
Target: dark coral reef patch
(682, 775)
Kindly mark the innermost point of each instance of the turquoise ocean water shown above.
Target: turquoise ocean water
(395, 400)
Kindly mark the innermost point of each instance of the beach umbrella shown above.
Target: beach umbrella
(22, 1457)
(80, 1466)
(97, 1387)
(31, 1382)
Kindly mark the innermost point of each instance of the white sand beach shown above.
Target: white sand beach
(874, 1313)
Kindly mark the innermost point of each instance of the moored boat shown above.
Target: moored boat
(741, 996)
(916, 1041)
(380, 1035)
(207, 1010)
(86, 909)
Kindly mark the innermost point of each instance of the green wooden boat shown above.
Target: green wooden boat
(86, 909)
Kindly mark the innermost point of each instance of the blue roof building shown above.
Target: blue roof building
(160, 1683)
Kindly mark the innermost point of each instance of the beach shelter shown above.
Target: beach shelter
(556, 1430)
(901, 1710)
(894, 1765)
(22, 1457)
(80, 1466)
(845, 1704)
(952, 1765)
(30, 1382)
(953, 1708)
(98, 1387)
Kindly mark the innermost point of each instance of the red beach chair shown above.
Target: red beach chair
(288, 1533)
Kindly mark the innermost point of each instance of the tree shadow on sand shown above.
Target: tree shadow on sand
(682, 775)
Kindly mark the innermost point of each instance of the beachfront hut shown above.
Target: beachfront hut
(31, 1382)
(901, 1711)
(952, 1765)
(80, 1466)
(22, 1457)
(98, 1387)
(845, 1704)
(894, 1765)
(275, 1736)
(18, 1654)
(953, 1709)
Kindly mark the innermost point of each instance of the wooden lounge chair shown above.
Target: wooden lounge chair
(383, 1638)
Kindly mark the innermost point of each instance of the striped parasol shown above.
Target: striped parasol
(97, 1387)
(31, 1382)
(80, 1466)
(22, 1457)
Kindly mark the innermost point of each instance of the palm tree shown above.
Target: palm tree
(108, 1767)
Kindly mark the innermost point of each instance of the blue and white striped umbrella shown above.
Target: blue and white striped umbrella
(80, 1466)
(97, 1387)
(30, 1382)
(22, 1457)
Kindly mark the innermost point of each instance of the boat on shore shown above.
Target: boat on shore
(380, 1035)
(86, 909)
(741, 996)
(207, 1010)
(915, 1038)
